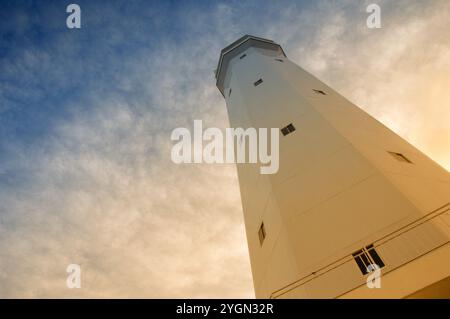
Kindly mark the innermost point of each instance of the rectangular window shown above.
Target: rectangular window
(262, 234)
(359, 261)
(374, 256)
(242, 56)
(279, 60)
(288, 129)
(258, 82)
(366, 257)
(400, 157)
(319, 92)
(229, 93)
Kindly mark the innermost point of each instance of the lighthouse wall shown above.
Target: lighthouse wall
(345, 182)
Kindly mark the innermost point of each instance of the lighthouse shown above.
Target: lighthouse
(354, 211)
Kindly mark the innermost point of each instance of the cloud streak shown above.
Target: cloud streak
(89, 180)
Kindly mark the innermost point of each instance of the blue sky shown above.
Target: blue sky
(48, 68)
(86, 116)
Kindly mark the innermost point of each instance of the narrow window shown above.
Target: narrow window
(319, 92)
(229, 93)
(374, 255)
(288, 129)
(291, 128)
(359, 262)
(400, 157)
(366, 257)
(242, 56)
(279, 60)
(261, 233)
(258, 82)
(365, 261)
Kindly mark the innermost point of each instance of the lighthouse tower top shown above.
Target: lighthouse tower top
(237, 48)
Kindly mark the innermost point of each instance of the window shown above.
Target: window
(374, 256)
(400, 157)
(261, 233)
(288, 129)
(366, 257)
(242, 56)
(229, 93)
(258, 82)
(319, 92)
(279, 60)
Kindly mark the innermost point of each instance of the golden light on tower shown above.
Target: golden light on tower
(349, 192)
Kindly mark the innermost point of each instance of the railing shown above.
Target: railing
(349, 258)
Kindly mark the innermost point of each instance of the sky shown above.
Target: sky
(86, 115)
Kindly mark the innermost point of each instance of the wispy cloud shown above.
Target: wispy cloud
(86, 176)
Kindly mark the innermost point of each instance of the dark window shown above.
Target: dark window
(374, 255)
(400, 157)
(366, 257)
(288, 129)
(262, 233)
(279, 60)
(359, 261)
(229, 93)
(291, 127)
(258, 82)
(242, 56)
(365, 260)
(319, 92)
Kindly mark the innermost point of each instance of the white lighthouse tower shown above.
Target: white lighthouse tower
(349, 192)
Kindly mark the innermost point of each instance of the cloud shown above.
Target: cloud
(396, 73)
(96, 187)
